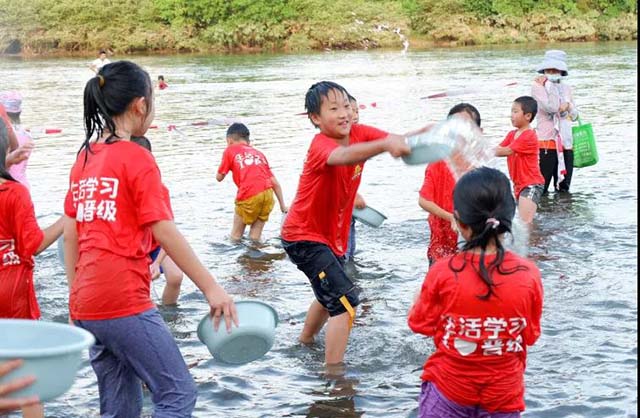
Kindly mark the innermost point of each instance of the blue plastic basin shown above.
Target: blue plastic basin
(369, 216)
(252, 339)
(52, 352)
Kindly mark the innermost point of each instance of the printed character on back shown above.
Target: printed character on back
(20, 240)
(115, 205)
(482, 307)
(255, 181)
(316, 230)
(436, 195)
(520, 146)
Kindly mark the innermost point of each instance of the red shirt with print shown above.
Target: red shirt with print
(322, 209)
(115, 198)
(481, 345)
(250, 169)
(20, 237)
(524, 167)
(438, 188)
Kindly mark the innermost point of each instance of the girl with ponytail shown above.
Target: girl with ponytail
(20, 240)
(115, 205)
(482, 306)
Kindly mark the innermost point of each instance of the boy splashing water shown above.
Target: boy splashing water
(316, 230)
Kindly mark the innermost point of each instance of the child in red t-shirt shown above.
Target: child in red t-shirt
(115, 205)
(521, 149)
(20, 240)
(436, 197)
(316, 229)
(161, 83)
(255, 181)
(482, 307)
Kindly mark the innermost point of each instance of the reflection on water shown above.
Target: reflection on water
(585, 243)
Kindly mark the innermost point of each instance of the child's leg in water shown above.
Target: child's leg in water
(336, 338)
(173, 276)
(255, 231)
(527, 209)
(317, 315)
(238, 228)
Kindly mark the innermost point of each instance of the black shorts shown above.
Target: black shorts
(331, 285)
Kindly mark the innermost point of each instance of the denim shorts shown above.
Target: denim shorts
(533, 192)
(332, 288)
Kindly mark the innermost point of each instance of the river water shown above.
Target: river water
(585, 363)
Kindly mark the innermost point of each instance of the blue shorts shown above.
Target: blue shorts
(331, 286)
(154, 254)
(433, 404)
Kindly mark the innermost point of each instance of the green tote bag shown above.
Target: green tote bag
(585, 153)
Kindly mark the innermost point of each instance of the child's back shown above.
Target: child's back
(481, 345)
(250, 169)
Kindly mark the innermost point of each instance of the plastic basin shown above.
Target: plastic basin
(52, 352)
(424, 153)
(369, 216)
(252, 339)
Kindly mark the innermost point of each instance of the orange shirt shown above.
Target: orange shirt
(322, 209)
(115, 198)
(20, 237)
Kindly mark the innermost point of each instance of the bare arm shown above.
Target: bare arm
(175, 245)
(434, 209)
(503, 151)
(352, 154)
(277, 189)
(70, 248)
(220, 176)
(51, 234)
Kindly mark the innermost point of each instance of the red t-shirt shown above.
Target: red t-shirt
(481, 345)
(162, 85)
(250, 169)
(523, 164)
(114, 199)
(438, 188)
(322, 209)
(20, 237)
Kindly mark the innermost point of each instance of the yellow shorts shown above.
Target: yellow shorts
(256, 207)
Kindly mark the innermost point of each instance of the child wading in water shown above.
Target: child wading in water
(436, 197)
(20, 240)
(483, 308)
(115, 204)
(520, 146)
(255, 181)
(316, 230)
(161, 263)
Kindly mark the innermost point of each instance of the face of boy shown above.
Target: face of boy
(518, 118)
(335, 115)
(356, 113)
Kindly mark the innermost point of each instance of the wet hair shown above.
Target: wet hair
(351, 98)
(239, 132)
(528, 105)
(4, 146)
(483, 201)
(313, 98)
(15, 117)
(142, 141)
(161, 77)
(467, 108)
(109, 94)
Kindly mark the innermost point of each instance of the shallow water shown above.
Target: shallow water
(585, 363)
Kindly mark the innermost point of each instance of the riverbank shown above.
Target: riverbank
(80, 28)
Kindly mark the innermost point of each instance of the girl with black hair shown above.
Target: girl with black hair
(20, 239)
(483, 308)
(115, 204)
